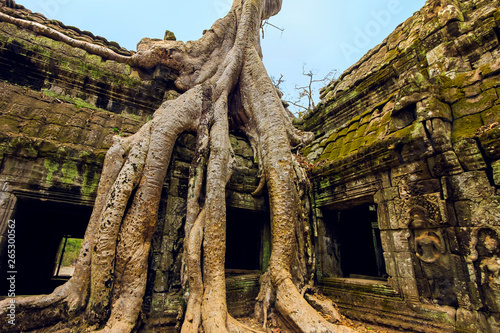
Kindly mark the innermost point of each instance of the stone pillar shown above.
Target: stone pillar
(419, 239)
(395, 243)
(477, 207)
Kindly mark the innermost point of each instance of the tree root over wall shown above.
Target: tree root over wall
(225, 85)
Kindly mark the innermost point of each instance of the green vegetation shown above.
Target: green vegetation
(79, 103)
(69, 252)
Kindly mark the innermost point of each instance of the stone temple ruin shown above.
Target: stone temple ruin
(405, 167)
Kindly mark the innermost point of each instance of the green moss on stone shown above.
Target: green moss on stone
(345, 149)
(465, 127)
(491, 116)
(366, 117)
(410, 133)
(356, 144)
(329, 148)
(69, 172)
(90, 182)
(462, 80)
(306, 151)
(353, 126)
(93, 59)
(79, 103)
(361, 130)
(52, 167)
(334, 154)
(369, 140)
(490, 82)
(467, 106)
(451, 95)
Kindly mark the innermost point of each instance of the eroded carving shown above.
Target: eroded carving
(429, 244)
(485, 255)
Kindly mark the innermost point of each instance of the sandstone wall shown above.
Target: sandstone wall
(38, 60)
(414, 128)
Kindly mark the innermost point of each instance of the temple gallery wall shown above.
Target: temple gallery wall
(405, 168)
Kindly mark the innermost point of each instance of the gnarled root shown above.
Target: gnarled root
(325, 306)
(112, 266)
(299, 314)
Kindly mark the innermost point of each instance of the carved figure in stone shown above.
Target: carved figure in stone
(429, 247)
(485, 252)
(429, 244)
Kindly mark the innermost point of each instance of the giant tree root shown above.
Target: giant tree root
(223, 78)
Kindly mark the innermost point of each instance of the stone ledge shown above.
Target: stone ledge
(375, 302)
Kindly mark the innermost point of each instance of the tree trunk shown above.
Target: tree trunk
(222, 75)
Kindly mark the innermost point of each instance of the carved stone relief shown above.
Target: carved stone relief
(429, 244)
(434, 263)
(485, 260)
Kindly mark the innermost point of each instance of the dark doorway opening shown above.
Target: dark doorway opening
(40, 229)
(356, 241)
(247, 241)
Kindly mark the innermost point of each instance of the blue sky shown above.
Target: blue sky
(323, 34)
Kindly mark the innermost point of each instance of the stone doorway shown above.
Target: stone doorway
(40, 229)
(247, 246)
(353, 241)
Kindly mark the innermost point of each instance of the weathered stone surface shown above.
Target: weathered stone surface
(386, 194)
(468, 186)
(474, 105)
(242, 291)
(489, 140)
(410, 172)
(433, 108)
(466, 127)
(440, 134)
(444, 164)
(40, 62)
(469, 154)
(496, 172)
(417, 188)
(439, 118)
(471, 321)
(401, 242)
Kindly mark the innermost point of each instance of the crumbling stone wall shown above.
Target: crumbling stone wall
(414, 127)
(40, 62)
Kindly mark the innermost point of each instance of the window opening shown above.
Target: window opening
(41, 227)
(67, 255)
(246, 241)
(353, 241)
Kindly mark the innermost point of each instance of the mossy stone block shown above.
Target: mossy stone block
(468, 106)
(491, 116)
(433, 108)
(490, 82)
(496, 172)
(465, 127)
(470, 155)
(452, 95)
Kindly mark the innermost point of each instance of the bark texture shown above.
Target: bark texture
(222, 77)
